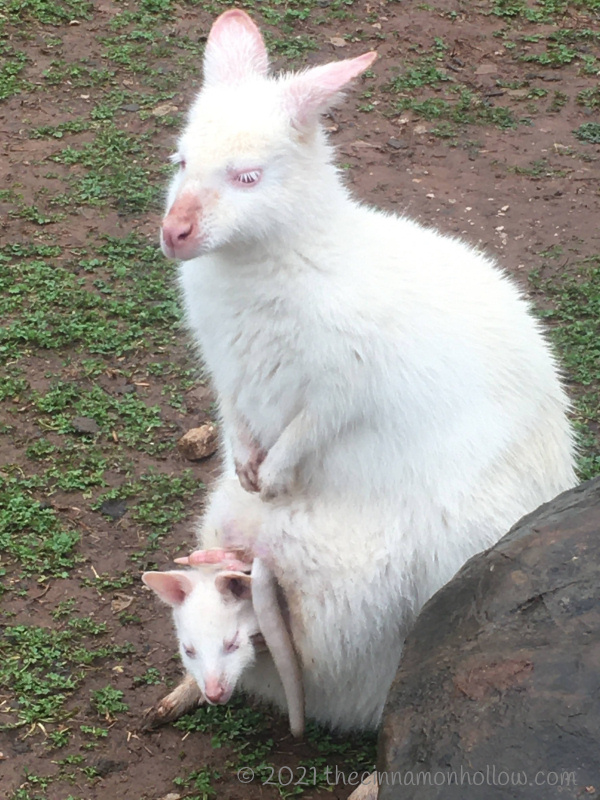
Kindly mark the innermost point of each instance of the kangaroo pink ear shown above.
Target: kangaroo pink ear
(235, 49)
(234, 584)
(171, 587)
(310, 93)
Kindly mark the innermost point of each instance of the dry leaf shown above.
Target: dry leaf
(122, 602)
(164, 109)
(486, 69)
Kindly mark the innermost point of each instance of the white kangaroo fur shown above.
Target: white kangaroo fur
(384, 387)
(349, 607)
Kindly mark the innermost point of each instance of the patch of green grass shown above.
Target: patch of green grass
(588, 132)
(127, 418)
(108, 583)
(465, 108)
(31, 533)
(56, 12)
(58, 131)
(198, 784)
(425, 71)
(117, 170)
(79, 74)
(122, 300)
(574, 322)
(589, 98)
(33, 214)
(12, 63)
(42, 667)
(559, 101)
(12, 383)
(540, 168)
(108, 702)
(60, 737)
(73, 467)
(291, 47)
(94, 731)
(555, 55)
(151, 677)
(160, 501)
(540, 10)
(246, 730)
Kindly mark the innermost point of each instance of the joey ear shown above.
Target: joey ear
(172, 587)
(235, 48)
(234, 584)
(309, 93)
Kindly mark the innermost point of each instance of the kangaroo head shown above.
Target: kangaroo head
(249, 155)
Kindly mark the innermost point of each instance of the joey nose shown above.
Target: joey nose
(215, 692)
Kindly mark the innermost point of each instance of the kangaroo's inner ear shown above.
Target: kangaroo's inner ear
(310, 93)
(234, 50)
(172, 587)
(234, 585)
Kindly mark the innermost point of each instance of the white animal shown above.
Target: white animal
(347, 605)
(384, 387)
(354, 353)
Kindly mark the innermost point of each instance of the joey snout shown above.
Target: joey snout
(216, 690)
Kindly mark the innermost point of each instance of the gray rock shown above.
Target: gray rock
(85, 425)
(498, 691)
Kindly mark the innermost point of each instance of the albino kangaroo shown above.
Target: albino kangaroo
(383, 387)
(347, 600)
(354, 353)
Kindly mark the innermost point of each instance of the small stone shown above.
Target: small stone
(397, 144)
(131, 107)
(104, 766)
(85, 425)
(114, 509)
(200, 442)
(164, 109)
(129, 388)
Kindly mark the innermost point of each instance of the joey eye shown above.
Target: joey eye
(190, 652)
(232, 645)
(248, 177)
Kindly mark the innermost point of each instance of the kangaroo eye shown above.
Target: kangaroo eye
(248, 178)
(190, 652)
(232, 645)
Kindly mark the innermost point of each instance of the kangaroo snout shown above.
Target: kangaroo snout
(216, 692)
(180, 230)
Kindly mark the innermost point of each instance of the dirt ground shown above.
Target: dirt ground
(480, 118)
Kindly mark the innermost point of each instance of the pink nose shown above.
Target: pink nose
(214, 691)
(180, 228)
(177, 231)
